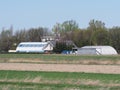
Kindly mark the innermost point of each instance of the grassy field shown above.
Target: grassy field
(31, 80)
(61, 59)
(26, 80)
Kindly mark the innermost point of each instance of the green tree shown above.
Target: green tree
(65, 30)
(61, 46)
(96, 25)
(69, 26)
(115, 38)
(56, 30)
(100, 37)
(82, 37)
(98, 33)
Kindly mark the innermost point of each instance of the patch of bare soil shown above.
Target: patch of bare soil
(111, 69)
(82, 62)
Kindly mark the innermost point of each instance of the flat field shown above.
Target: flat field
(61, 59)
(59, 72)
(30, 80)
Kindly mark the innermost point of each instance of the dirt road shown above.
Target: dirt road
(111, 69)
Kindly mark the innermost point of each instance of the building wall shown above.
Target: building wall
(87, 51)
(49, 47)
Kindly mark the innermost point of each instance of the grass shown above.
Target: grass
(60, 59)
(34, 80)
(29, 80)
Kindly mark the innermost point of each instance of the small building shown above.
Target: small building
(11, 51)
(97, 50)
(34, 47)
(47, 38)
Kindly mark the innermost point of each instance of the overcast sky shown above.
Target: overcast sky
(46, 13)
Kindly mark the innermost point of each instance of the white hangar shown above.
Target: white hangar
(97, 50)
(34, 47)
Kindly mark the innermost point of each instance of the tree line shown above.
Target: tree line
(9, 39)
(95, 34)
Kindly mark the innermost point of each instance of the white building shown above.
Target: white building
(38, 47)
(97, 50)
(48, 38)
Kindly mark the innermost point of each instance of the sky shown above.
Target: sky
(46, 13)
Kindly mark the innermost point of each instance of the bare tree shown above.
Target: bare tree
(6, 40)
